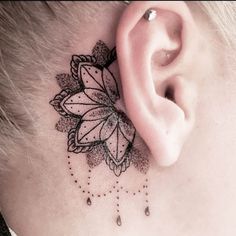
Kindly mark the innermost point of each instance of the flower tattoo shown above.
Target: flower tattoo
(95, 126)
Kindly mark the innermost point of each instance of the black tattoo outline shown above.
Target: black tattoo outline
(89, 115)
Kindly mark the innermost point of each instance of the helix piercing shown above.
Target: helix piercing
(126, 2)
(150, 15)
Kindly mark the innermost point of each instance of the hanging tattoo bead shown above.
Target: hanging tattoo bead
(118, 221)
(147, 210)
(89, 202)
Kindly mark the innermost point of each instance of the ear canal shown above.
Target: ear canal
(153, 54)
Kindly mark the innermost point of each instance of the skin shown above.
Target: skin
(195, 196)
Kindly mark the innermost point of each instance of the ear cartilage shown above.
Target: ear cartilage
(150, 15)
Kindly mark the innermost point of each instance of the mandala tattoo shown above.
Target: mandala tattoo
(90, 117)
(87, 104)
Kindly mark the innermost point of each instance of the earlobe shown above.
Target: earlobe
(154, 59)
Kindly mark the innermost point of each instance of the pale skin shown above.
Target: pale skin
(194, 196)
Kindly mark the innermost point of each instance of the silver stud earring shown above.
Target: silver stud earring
(150, 15)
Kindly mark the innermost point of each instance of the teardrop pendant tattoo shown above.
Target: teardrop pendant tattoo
(97, 128)
(114, 191)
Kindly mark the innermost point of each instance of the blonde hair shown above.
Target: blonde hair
(33, 35)
(223, 16)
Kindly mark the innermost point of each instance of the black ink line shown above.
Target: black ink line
(112, 56)
(90, 130)
(4, 231)
(91, 76)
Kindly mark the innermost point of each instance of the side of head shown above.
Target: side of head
(130, 94)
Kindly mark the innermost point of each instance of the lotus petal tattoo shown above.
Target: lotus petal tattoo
(87, 104)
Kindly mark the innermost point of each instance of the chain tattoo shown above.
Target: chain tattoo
(90, 117)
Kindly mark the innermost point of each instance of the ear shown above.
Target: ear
(155, 60)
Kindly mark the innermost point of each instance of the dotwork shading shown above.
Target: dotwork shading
(116, 190)
(96, 126)
(87, 105)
